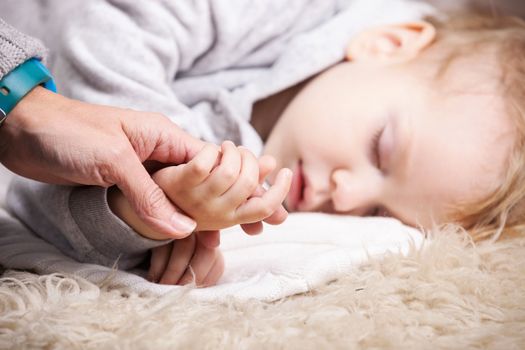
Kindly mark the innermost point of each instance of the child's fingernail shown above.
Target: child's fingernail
(182, 224)
(287, 173)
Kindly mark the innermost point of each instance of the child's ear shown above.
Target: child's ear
(391, 43)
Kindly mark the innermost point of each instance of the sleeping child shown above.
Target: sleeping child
(377, 112)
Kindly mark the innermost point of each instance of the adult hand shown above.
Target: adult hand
(54, 139)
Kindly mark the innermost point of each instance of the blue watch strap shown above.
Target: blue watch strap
(20, 81)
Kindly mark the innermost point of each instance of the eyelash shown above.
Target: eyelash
(380, 212)
(375, 147)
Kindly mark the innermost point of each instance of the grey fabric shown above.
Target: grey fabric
(16, 48)
(203, 64)
(78, 222)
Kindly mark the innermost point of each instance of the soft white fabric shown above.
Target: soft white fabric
(308, 250)
(305, 252)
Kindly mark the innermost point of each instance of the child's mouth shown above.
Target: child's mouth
(296, 194)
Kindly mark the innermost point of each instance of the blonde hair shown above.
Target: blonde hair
(502, 212)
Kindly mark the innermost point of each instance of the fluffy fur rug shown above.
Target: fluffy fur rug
(449, 294)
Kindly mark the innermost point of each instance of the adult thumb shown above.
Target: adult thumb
(150, 203)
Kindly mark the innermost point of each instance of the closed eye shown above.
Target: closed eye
(374, 148)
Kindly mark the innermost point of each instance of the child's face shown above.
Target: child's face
(372, 139)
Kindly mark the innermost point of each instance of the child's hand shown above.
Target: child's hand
(220, 188)
(266, 166)
(184, 261)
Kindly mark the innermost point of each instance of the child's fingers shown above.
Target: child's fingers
(190, 174)
(200, 167)
(252, 228)
(159, 259)
(216, 271)
(247, 181)
(210, 239)
(259, 208)
(266, 165)
(226, 173)
(278, 216)
(180, 257)
(199, 266)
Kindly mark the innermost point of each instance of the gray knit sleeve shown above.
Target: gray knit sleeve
(16, 48)
(79, 222)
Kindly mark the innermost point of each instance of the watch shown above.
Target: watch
(20, 81)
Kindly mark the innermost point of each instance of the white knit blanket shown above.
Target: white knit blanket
(306, 251)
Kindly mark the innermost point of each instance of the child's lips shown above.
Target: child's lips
(295, 195)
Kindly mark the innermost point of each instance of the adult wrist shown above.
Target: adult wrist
(23, 120)
(27, 109)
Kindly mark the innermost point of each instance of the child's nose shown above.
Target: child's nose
(352, 192)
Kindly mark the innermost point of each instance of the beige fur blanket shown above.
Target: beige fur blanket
(448, 294)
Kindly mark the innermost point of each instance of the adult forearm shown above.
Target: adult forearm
(51, 138)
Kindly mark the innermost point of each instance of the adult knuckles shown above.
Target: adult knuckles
(105, 174)
(107, 165)
(158, 122)
(160, 118)
(118, 155)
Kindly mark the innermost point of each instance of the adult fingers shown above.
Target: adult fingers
(155, 137)
(149, 201)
